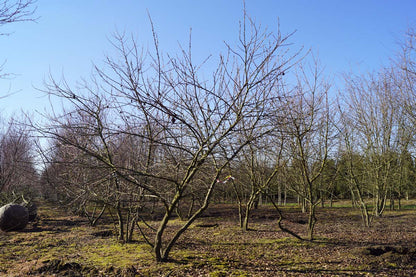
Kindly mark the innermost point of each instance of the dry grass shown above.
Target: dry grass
(64, 245)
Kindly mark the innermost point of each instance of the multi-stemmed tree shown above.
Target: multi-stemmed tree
(373, 118)
(308, 128)
(184, 130)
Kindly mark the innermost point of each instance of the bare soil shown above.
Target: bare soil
(60, 244)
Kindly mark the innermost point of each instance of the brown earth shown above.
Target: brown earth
(59, 244)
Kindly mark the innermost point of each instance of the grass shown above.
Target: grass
(64, 245)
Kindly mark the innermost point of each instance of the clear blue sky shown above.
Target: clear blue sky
(72, 34)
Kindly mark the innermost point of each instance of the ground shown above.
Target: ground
(60, 244)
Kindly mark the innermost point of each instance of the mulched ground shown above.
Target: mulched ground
(64, 245)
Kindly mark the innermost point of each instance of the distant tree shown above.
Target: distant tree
(375, 115)
(18, 174)
(17, 170)
(309, 131)
(403, 177)
(353, 170)
(328, 178)
(258, 167)
(403, 77)
(80, 179)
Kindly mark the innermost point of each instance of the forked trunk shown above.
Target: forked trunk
(157, 248)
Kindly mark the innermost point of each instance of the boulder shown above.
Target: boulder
(32, 208)
(13, 217)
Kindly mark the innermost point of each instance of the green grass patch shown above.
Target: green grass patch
(112, 253)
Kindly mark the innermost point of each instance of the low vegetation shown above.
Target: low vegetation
(62, 244)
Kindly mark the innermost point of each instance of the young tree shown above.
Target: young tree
(308, 129)
(353, 165)
(258, 165)
(374, 113)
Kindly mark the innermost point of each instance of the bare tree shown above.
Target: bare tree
(377, 126)
(403, 76)
(82, 179)
(406, 60)
(308, 128)
(188, 127)
(17, 168)
(375, 114)
(404, 79)
(353, 162)
(17, 165)
(257, 168)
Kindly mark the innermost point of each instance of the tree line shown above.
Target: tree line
(149, 137)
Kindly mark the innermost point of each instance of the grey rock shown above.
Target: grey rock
(32, 208)
(13, 217)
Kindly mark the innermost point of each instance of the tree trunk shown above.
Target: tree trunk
(311, 220)
(285, 197)
(380, 204)
(120, 223)
(365, 215)
(157, 249)
(241, 216)
(191, 208)
(303, 203)
(246, 219)
(279, 194)
(250, 203)
(353, 201)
